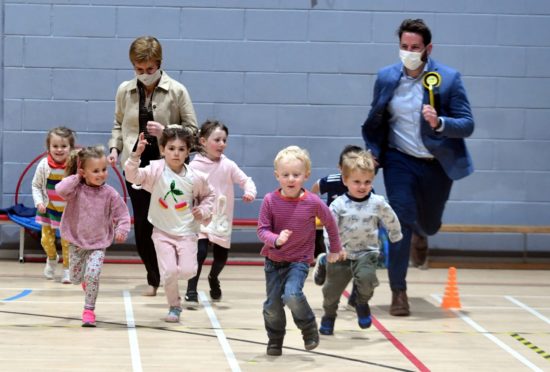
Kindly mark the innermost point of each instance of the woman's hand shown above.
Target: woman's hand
(155, 128)
(113, 157)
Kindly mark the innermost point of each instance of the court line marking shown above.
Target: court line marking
(491, 337)
(399, 346)
(132, 333)
(219, 333)
(531, 346)
(528, 308)
(198, 334)
(23, 293)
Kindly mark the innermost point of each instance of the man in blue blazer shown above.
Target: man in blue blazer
(417, 137)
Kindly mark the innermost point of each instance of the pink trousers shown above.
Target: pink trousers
(177, 259)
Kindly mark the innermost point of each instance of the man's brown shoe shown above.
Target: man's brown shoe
(399, 304)
(419, 250)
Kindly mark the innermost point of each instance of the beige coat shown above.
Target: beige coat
(171, 105)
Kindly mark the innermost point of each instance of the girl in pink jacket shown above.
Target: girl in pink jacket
(181, 199)
(222, 173)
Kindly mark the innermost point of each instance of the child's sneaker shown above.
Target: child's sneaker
(173, 315)
(275, 347)
(66, 277)
(191, 300)
(311, 337)
(215, 290)
(88, 318)
(327, 326)
(364, 318)
(49, 269)
(320, 273)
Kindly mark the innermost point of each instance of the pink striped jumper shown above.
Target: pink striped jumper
(298, 215)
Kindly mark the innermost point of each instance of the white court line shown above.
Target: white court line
(490, 295)
(219, 333)
(491, 337)
(532, 311)
(132, 334)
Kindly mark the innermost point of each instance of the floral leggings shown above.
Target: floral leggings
(85, 266)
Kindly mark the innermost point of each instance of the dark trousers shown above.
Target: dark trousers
(143, 231)
(220, 258)
(417, 191)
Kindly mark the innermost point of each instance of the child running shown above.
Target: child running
(222, 173)
(50, 170)
(95, 214)
(286, 226)
(181, 199)
(333, 186)
(357, 214)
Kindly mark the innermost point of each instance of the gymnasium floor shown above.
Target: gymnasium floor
(504, 324)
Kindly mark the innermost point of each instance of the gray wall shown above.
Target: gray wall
(290, 72)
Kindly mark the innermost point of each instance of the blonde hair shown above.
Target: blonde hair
(357, 161)
(294, 153)
(144, 49)
(77, 158)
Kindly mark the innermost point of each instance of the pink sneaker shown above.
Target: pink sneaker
(83, 284)
(88, 318)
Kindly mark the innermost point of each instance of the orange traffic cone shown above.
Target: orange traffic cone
(451, 298)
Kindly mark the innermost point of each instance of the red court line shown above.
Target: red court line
(391, 338)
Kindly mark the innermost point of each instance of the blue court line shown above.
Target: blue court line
(24, 293)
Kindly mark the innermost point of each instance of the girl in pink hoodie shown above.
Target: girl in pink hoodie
(222, 173)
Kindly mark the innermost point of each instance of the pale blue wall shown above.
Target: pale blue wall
(291, 72)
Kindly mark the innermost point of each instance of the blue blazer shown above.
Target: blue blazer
(447, 146)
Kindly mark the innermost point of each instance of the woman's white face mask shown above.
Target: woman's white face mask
(411, 60)
(147, 79)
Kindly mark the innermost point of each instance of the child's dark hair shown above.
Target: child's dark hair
(62, 132)
(173, 132)
(349, 149)
(78, 157)
(211, 125)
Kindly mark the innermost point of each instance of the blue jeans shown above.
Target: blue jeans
(417, 191)
(284, 284)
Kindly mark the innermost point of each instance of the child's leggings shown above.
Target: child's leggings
(86, 265)
(48, 243)
(177, 258)
(220, 259)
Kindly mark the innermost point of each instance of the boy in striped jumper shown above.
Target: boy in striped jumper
(286, 226)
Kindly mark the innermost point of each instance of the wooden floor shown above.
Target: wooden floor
(504, 324)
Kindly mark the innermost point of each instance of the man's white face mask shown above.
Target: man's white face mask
(411, 60)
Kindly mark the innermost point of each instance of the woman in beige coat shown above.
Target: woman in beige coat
(147, 104)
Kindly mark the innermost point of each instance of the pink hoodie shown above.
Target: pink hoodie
(222, 175)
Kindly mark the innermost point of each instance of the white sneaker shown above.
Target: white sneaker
(66, 277)
(49, 269)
